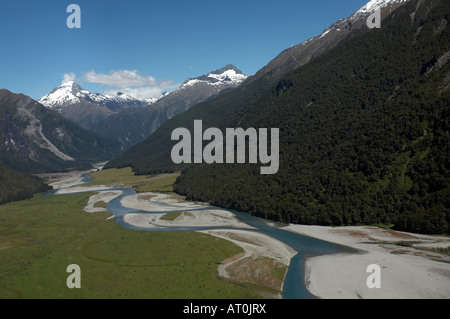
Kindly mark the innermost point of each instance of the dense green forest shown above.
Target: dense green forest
(16, 186)
(364, 134)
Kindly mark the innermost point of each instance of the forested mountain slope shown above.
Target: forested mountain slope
(364, 133)
(17, 186)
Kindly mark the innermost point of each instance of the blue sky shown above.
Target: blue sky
(158, 42)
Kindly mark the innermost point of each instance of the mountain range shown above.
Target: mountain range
(133, 125)
(55, 133)
(130, 120)
(85, 108)
(363, 118)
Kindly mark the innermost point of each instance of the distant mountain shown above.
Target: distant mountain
(364, 129)
(16, 186)
(86, 108)
(36, 139)
(133, 125)
(228, 76)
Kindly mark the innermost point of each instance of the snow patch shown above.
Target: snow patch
(228, 77)
(374, 5)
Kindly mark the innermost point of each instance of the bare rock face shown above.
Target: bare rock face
(35, 139)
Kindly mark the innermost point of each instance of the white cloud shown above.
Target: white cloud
(119, 79)
(130, 82)
(68, 77)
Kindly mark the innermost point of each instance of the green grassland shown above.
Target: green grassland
(101, 205)
(41, 236)
(125, 177)
(171, 216)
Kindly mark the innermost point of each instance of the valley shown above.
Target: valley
(42, 236)
(364, 134)
(181, 194)
(143, 245)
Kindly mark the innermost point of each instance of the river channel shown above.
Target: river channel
(294, 285)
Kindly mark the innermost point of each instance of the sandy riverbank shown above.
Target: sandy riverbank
(406, 272)
(67, 179)
(64, 180)
(103, 197)
(190, 214)
(203, 218)
(262, 254)
(156, 202)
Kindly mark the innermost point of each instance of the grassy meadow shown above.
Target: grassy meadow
(124, 177)
(41, 236)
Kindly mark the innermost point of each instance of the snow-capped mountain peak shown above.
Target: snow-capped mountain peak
(361, 15)
(304, 52)
(228, 75)
(374, 5)
(71, 85)
(67, 93)
(71, 93)
(366, 10)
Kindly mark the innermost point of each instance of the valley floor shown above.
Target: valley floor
(262, 256)
(410, 268)
(411, 265)
(263, 262)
